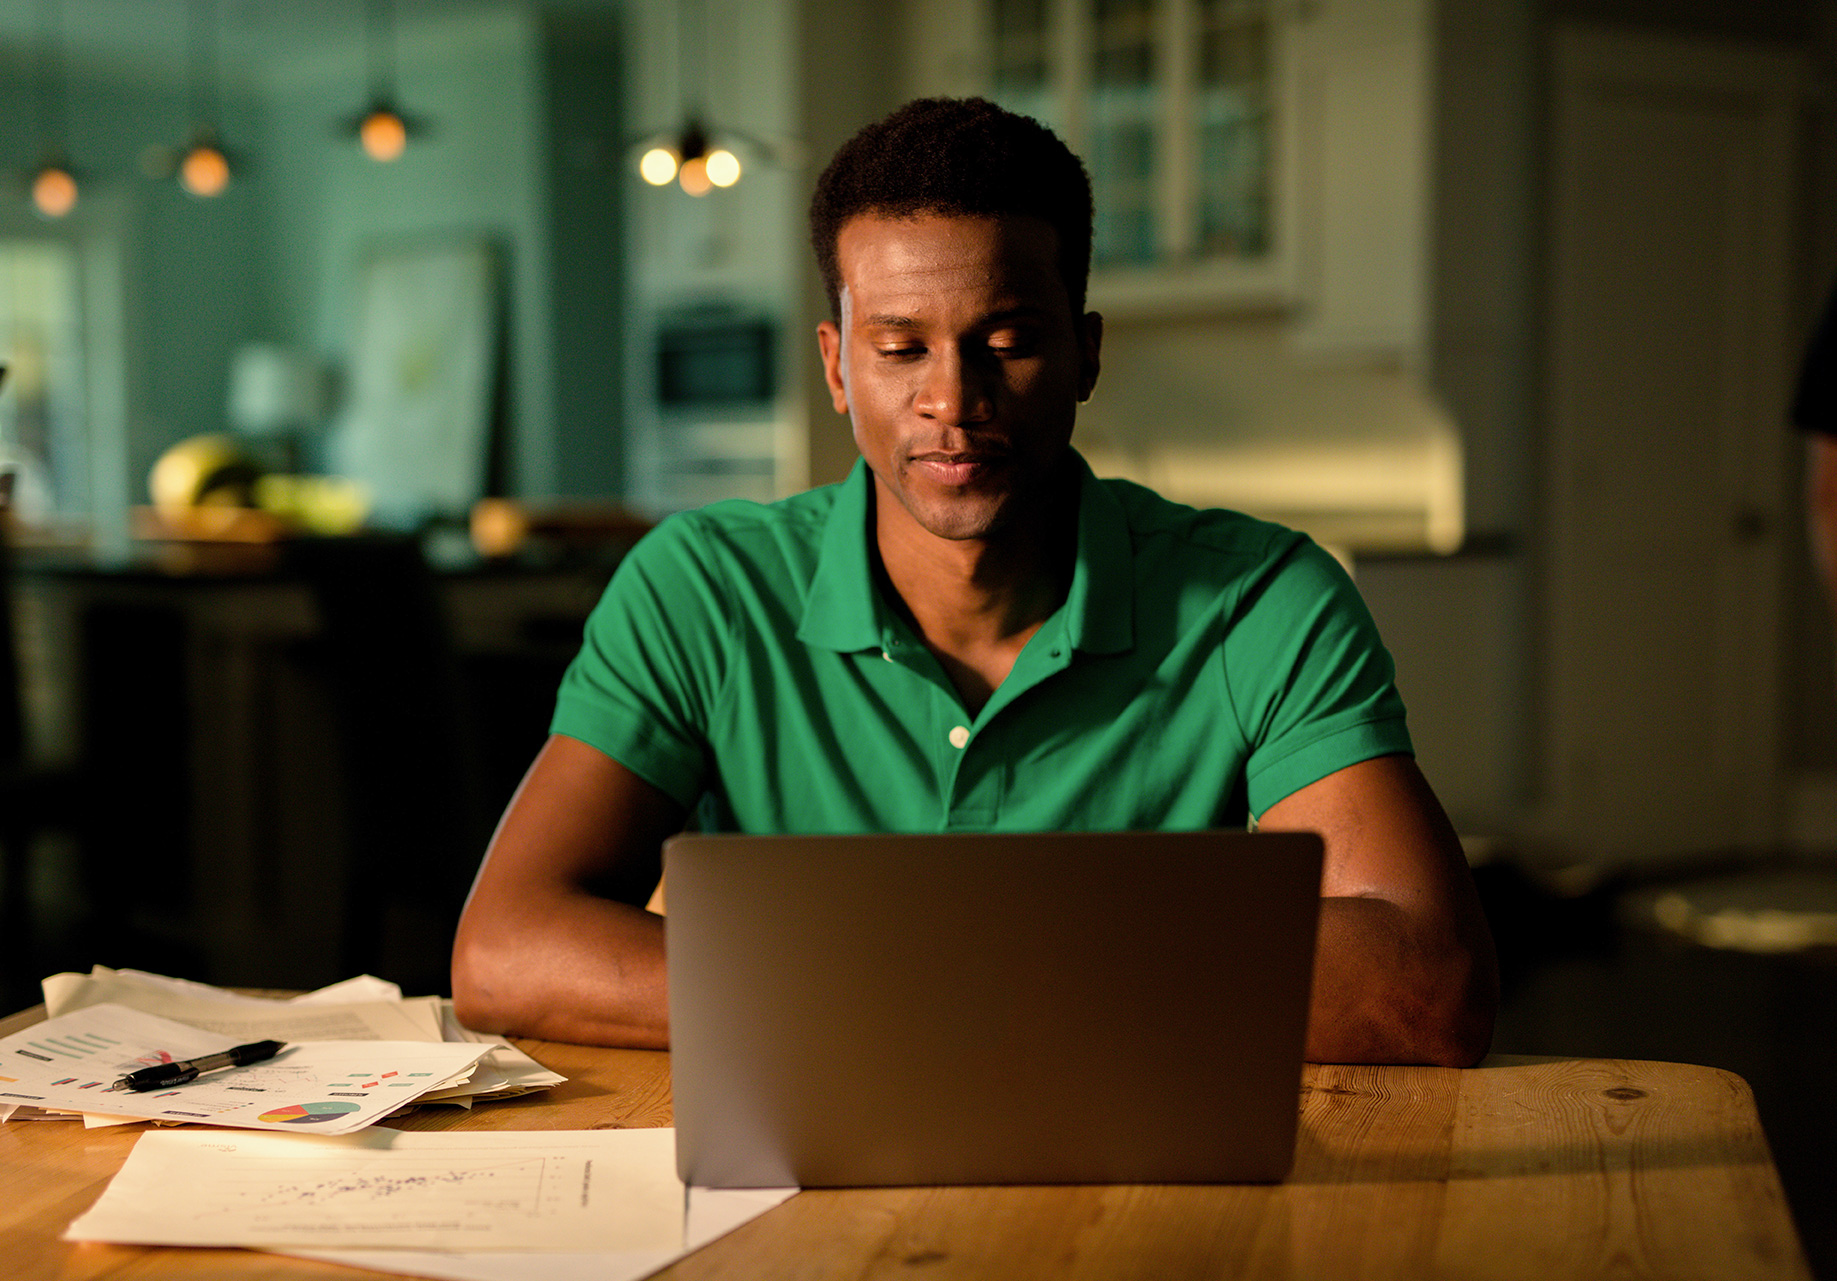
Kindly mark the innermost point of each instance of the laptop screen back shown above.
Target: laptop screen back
(963, 1009)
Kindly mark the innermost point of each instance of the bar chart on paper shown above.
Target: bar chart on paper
(71, 1056)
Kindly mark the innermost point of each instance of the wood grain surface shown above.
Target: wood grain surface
(1520, 1168)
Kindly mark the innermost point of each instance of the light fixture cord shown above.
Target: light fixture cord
(692, 51)
(203, 89)
(379, 43)
(53, 120)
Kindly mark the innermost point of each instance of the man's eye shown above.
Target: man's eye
(902, 352)
(1013, 346)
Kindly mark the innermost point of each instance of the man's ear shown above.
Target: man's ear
(829, 342)
(1090, 348)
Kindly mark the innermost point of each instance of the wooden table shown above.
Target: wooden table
(1545, 1168)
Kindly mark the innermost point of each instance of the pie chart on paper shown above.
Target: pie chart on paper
(309, 1113)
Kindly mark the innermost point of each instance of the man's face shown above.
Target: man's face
(960, 363)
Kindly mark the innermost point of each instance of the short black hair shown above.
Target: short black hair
(958, 157)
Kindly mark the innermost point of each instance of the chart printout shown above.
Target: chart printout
(550, 1190)
(331, 1087)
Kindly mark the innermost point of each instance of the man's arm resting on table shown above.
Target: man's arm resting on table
(545, 947)
(1404, 970)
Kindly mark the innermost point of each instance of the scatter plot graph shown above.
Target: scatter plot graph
(565, 1191)
(505, 1187)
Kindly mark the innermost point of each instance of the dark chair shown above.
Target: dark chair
(33, 799)
(410, 767)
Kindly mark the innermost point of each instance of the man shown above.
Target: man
(972, 633)
(1814, 412)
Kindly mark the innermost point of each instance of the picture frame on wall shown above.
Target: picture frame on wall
(423, 370)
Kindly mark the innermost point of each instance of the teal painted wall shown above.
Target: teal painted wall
(477, 174)
(191, 270)
(525, 151)
(583, 174)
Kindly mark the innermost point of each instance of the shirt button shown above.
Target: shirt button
(960, 736)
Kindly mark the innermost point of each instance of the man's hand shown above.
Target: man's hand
(552, 943)
(1404, 971)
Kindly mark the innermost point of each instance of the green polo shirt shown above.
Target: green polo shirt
(1203, 666)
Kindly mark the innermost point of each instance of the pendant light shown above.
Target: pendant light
(54, 186)
(204, 168)
(693, 155)
(382, 128)
(202, 165)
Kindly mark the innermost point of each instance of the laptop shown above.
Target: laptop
(850, 1011)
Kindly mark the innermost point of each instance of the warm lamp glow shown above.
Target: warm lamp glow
(694, 177)
(723, 168)
(54, 191)
(658, 166)
(383, 135)
(204, 172)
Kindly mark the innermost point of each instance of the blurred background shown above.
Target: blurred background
(351, 342)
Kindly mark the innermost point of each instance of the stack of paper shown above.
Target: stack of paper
(360, 1009)
(69, 1064)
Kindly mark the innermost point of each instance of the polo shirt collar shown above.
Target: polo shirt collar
(843, 610)
(1099, 609)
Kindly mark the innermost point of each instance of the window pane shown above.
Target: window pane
(1232, 110)
(1021, 74)
(1122, 131)
(42, 434)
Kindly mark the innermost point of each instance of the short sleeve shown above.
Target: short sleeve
(1311, 683)
(643, 687)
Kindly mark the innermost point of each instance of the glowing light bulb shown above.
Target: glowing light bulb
(383, 135)
(204, 172)
(54, 192)
(658, 166)
(723, 168)
(694, 177)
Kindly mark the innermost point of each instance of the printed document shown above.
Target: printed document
(712, 1212)
(364, 1008)
(244, 1018)
(541, 1190)
(329, 1087)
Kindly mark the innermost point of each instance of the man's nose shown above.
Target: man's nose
(957, 389)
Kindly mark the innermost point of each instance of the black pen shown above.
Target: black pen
(160, 1075)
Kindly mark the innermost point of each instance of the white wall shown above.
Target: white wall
(739, 248)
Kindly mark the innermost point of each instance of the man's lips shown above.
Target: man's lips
(957, 466)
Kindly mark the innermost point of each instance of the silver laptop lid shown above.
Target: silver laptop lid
(962, 1009)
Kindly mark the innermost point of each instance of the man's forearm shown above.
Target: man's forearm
(579, 969)
(538, 952)
(1388, 991)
